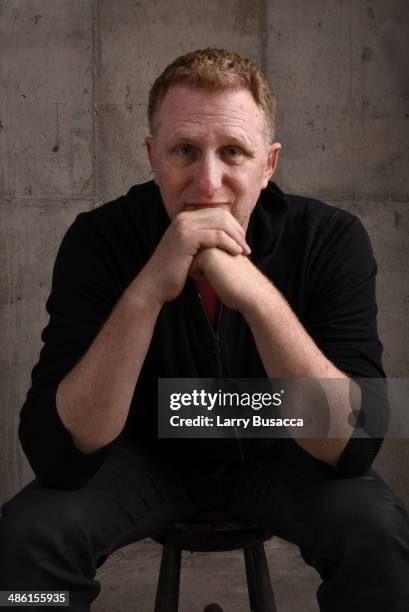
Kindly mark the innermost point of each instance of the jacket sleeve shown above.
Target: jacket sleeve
(341, 317)
(79, 303)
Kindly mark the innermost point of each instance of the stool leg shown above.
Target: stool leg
(251, 578)
(167, 592)
(261, 593)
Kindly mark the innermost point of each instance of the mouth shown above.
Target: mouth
(207, 205)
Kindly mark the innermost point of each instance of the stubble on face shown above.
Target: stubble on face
(210, 149)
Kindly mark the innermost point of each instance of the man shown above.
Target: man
(208, 271)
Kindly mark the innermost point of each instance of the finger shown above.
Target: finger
(224, 220)
(220, 239)
(214, 217)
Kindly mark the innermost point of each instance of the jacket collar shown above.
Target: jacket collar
(266, 220)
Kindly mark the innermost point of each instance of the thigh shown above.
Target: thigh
(294, 495)
(133, 495)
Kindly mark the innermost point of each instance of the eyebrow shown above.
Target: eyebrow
(194, 139)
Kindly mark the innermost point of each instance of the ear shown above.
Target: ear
(149, 147)
(271, 163)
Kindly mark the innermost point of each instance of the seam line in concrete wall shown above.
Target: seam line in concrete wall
(95, 81)
(262, 23)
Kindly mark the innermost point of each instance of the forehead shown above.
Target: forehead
(187, 109)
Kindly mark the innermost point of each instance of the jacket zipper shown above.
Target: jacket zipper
(217, 351)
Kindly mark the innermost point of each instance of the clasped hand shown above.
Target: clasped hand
(234, 278)
(203, 243)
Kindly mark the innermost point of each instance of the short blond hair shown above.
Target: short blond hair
(214, 69)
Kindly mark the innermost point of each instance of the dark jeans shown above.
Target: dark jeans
(353, 531)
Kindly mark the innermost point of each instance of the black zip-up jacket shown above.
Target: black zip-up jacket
(317, 255)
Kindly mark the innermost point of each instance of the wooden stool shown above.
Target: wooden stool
(211, 532)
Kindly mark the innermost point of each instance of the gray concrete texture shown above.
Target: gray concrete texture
(132, 572)
(74, 82)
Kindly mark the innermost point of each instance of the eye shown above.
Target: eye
(185, 150)
(233, 152)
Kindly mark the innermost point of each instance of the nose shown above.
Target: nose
(208, 175)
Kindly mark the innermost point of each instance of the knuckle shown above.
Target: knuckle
(180, 225)
(224, 215)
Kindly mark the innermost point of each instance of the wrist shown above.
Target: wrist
(143, 293)
(259, 301)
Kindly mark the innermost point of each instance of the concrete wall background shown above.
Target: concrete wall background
(74, 80)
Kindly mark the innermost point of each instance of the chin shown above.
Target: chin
(244, 221)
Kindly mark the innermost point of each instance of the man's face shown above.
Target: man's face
(210, 150)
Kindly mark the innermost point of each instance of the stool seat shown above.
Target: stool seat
(212, 515)
(213, 531)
